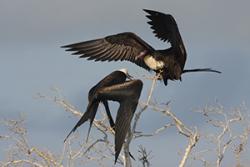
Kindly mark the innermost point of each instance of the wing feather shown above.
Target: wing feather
(88, 51)
(123, 53)
(108, 57)
(103, 56)
(123, 46)
(80, 45)
(164, 26)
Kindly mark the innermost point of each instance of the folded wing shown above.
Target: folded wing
(127, 94)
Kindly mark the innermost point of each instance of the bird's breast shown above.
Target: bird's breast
(152, 63)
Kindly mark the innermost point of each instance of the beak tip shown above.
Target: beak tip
(129, 77)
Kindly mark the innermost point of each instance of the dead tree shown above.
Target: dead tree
(97, 150)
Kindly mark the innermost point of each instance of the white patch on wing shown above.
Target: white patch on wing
(152, 63)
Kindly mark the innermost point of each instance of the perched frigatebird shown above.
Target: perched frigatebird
(128, 46)
(114, 87)
(113, 78)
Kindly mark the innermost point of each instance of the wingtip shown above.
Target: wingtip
(147, 10)
(87, 138)
(116, 157)
(68, 136)
(151, 12)
(64, 141)
(65, 46)
(68, 48)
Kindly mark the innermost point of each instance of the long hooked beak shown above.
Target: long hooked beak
(201, 70)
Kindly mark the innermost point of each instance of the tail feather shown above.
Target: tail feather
(165, 77)
(88, 115)
(111, 121)
(92, 117)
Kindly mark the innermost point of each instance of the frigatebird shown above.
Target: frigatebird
(127, 93)
(113, 78)
(128, 46)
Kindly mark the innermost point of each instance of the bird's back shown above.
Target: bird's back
(113, 78)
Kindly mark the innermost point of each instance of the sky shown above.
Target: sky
(216, 34)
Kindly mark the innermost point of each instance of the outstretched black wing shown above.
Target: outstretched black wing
(165, 28)
(124, 46)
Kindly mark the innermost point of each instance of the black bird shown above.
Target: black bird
(128, 46)
(113, 78)
(127, 93)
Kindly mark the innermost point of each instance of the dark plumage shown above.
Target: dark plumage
(128, 46)
(127, 94)
(114, 87)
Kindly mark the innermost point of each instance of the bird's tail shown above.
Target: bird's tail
(111, 121)
(88, 115)
(165, 77)
(201, 70)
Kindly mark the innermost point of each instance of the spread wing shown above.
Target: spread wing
(164, 26)
(124, 46)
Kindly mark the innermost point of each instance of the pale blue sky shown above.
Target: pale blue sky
(216, 34)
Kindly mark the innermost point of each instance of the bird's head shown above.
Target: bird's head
(125, 71)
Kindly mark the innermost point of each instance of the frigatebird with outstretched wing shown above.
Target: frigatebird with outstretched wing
(128, 46)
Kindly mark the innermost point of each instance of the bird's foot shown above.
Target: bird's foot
(158, 75)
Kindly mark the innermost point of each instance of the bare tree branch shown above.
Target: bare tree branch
(224, 140)
(100, 149)
(144, 156)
